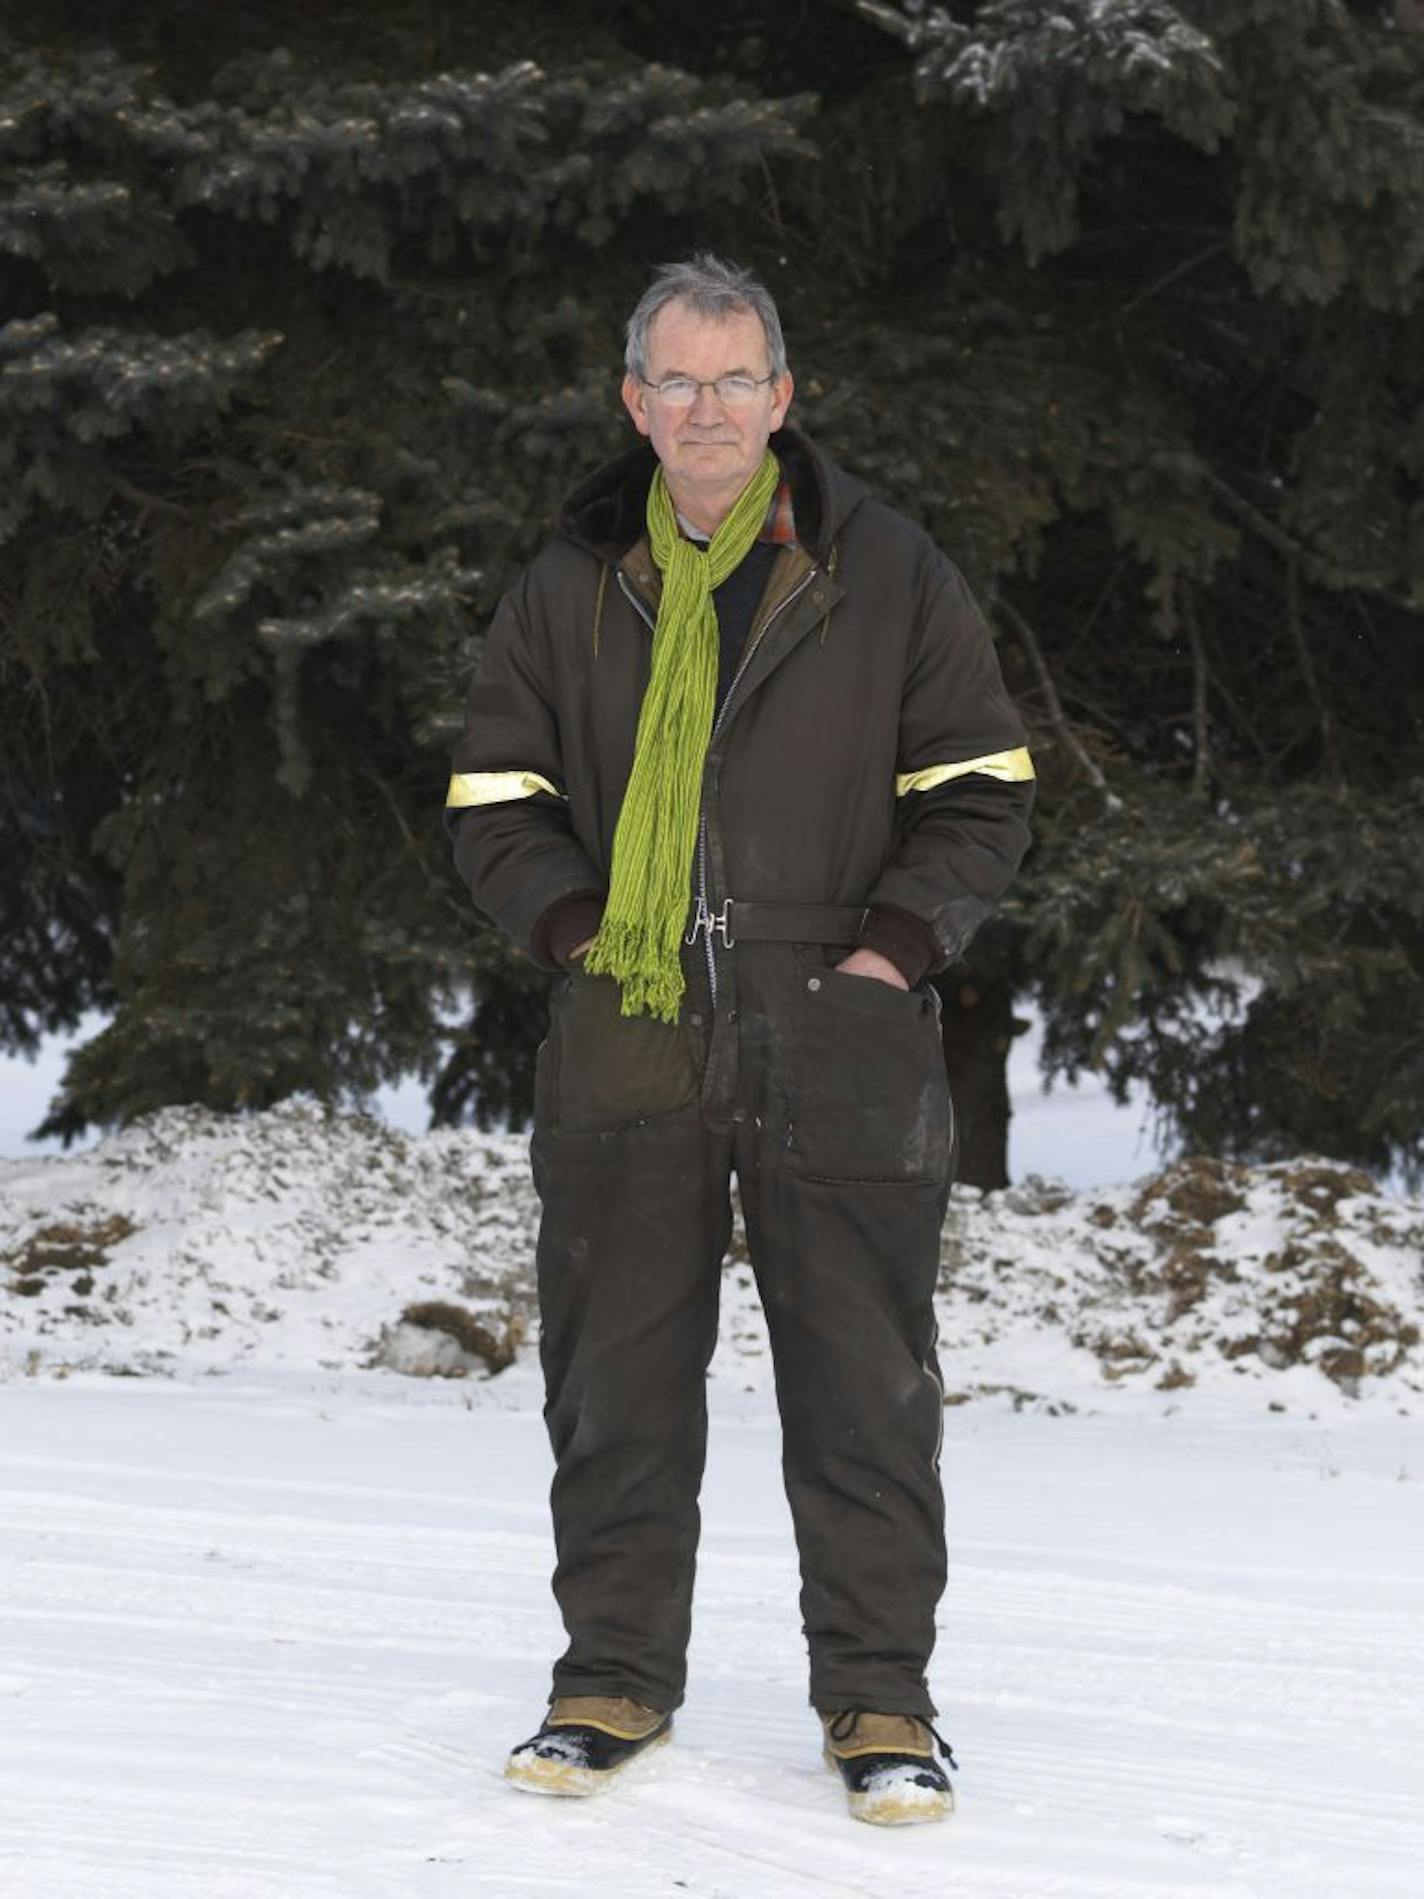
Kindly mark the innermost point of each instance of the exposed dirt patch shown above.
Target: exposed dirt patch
(1175, 1378)
(1197, 1192)
(1323, 1187)
(476, 1341)
(1120, 1354)
(1188, 1276)
(1332, 1317)
(66, 1246)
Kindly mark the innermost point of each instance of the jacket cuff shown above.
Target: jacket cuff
(565, 924)
(903, 939)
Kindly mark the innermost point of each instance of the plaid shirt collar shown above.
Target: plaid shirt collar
(779, 527)
(780, 523)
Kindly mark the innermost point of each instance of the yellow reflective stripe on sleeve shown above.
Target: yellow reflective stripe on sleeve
(495, 787)
(1011, 766)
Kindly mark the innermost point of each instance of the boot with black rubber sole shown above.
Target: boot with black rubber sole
(586, 1743)
(888, 1767)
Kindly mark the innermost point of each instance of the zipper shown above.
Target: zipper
(702, 911)
(747, 657)
(636, 602)
(704, 914)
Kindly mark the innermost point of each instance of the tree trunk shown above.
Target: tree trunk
(979, 1028)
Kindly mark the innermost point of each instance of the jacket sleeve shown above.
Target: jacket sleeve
(506, 810)
(964, 787)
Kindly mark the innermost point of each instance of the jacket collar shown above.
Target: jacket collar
(606, 514)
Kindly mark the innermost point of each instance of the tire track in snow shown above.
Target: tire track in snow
(1125, 1736)
(784, 1821)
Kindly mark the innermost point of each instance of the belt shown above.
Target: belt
(738, 922)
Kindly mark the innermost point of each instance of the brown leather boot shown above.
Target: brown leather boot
(586, 1740)
(887, 1763)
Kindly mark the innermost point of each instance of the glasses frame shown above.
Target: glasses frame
(704, 384)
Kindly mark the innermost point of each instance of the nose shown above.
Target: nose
(707, 407)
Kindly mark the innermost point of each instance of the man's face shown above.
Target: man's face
(709, 451)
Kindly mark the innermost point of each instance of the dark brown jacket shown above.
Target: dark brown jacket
(866, 754)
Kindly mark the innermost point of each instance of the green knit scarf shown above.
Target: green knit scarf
(638, 940)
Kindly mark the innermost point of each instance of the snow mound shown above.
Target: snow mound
(1297, 1276)
(198, 1241)
(193, 1241)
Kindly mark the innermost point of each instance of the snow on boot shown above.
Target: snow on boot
(586, 1740)
(887, 1763)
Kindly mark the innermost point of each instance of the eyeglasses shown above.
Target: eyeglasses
(680, 392)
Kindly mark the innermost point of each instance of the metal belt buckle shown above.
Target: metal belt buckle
(705, 920)
(723, 923)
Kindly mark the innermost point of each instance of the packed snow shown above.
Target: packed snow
(274, 1544)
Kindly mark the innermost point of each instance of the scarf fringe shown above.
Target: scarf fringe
(648, 971)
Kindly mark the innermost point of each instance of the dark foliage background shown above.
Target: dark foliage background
(309, 316)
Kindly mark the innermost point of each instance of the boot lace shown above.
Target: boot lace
(843, 1726)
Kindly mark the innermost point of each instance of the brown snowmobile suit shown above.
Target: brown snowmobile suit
(866, 781)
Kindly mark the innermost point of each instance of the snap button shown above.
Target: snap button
(813, 982)
(739, 1114)
(695, 1020)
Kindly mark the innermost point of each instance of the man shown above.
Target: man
(740, 762)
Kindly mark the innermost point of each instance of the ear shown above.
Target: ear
(782, 390)
(632, 393)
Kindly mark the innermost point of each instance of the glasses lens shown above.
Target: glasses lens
(680, 392)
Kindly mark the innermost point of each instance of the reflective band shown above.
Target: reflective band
(495, 787)
(1011, 766)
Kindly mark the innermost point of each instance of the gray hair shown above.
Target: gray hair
(710, 288)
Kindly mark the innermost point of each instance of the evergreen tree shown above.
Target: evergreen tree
(1218, 602)
(314, 315)
(291, 384)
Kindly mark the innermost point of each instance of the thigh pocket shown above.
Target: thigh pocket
(871, 1096)
(608, 1070)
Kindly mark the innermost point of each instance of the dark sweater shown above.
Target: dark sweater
(736, 601)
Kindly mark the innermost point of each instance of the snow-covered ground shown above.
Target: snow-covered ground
(272, 1610)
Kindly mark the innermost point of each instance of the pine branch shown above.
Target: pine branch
(1316, 567)
(1066, 736)
(439, 887)
(1296, 557)
(1307, 667)
(148, 502)
(1202, 748)
(1171, 276)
